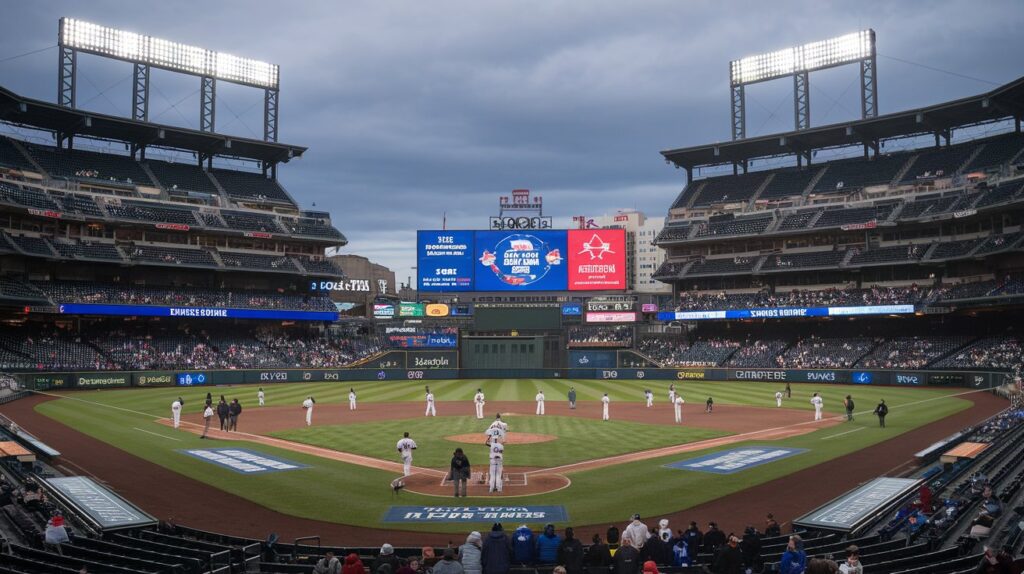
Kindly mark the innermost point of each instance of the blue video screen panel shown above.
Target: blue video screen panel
(521, 261)
(444, 260)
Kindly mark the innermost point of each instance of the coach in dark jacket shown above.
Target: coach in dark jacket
(570, 553)
(222, 412)
(598, 555)
(728, 558)
(656, 550)
(496, 556)
(234, 409)
(713, 538)
(694, 539)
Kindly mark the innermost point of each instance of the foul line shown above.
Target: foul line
(70, 398)
(157, 434)
(842, 433)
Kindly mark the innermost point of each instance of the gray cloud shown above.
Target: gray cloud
(416, 109)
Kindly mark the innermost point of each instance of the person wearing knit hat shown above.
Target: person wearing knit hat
(650, 567)
(469, 554)
(496, 554)
(664, 532)
(386, 556)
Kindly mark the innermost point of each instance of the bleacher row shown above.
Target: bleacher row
(1003, 352)
(850, 257)
(851, 175)
(90, 207)
(111, 169)
(833, 216)
(165, 255)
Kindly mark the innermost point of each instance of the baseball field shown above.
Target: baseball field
(339, 470)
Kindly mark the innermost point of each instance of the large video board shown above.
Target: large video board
(548, 260)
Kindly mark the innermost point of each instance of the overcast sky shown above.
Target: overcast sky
(414, 109)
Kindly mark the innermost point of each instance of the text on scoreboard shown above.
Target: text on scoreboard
(545, 260)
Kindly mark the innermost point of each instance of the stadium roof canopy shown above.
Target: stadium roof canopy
(38, 114)
(1003, 102)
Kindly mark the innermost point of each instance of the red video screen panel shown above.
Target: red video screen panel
(597, 259)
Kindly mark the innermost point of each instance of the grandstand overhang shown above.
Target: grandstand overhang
(1004, 102)
(66, 122)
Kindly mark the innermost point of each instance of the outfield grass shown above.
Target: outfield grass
(578, 439)
(116, 417)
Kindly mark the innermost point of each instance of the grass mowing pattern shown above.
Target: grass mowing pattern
(350, 494)
(578, 439)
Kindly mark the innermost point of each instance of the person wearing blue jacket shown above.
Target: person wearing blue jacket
(547, 545)
(794, 559)
(496, 555)
(523, 546)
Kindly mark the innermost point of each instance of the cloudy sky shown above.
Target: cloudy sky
(414, 109)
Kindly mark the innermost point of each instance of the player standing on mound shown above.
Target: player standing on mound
(431, 411)
(478, 402)
(497, 429)
(540, 401)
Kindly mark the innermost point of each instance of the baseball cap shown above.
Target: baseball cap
(636, 516)
(650, 567)
(387, 549)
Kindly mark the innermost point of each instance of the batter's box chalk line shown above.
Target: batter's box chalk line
(507, 479)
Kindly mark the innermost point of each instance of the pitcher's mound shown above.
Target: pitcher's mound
(510, 438)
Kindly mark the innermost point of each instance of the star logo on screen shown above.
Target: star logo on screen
(596, 248)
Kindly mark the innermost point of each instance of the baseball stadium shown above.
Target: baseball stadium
(827, 377)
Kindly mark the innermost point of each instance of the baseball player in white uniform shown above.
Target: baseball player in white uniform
(262, 397)
(497, 456)
(778, 398)
(672, 394)
(405, 447)
(176, 411)
(478, 403)
(308, 405)
(431, 411)
(677, 406)
(540, 402)
(351, 399)
(818, 404)
(497, 429)
(604, 407)
(649, 397)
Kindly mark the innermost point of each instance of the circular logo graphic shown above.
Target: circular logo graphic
(520, 259)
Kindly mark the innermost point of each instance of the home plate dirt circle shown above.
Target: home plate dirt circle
(510, 438)
(515, 484)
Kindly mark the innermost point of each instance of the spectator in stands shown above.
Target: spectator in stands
(681, 551)
(656, 549)
(570, 553)
(386, 556)
(524, 544)
(448, 564)
(664, 532)
(713, 538)
(469, 554)
(613, 532)
(750, 547)
(329, 564)
(56, 534)
(496, 555)
(650, 567)
(547, 545)
(771, 526)
(627, 558)
(852, 563)
(794, 559)
(694, 540)
(353, 565)
(636, 532)
(819, 565)
(411, 566)
(728, 559)
(598, 555)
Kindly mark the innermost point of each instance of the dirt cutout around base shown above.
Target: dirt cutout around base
(510, 438)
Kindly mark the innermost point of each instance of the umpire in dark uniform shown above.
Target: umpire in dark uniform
(881, 410)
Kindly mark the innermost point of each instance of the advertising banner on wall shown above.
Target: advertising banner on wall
(528, 261)
(611, 317)
(597, 259)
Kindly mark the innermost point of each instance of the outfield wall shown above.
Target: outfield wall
(114, 379)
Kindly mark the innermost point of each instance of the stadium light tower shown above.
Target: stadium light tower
(146, 52)
(799, 62)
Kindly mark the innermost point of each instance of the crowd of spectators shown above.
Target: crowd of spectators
(601, 336)
(703, 301)
(910, 352)
(1003, 352)
(671, 352)
(113, 293)
(820, 353)
(52, 349)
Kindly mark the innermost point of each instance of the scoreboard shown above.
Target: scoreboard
(527, 260)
